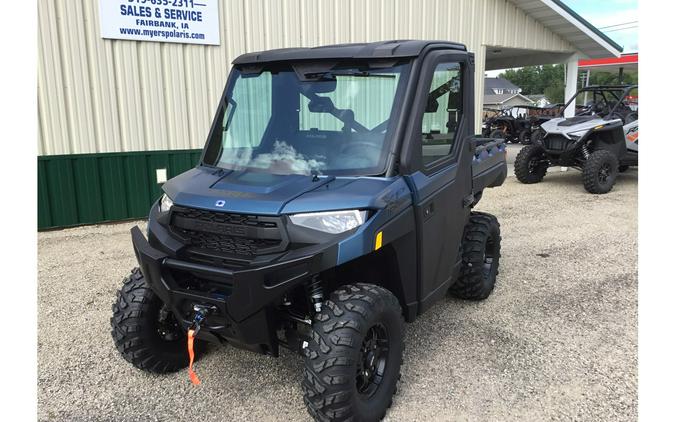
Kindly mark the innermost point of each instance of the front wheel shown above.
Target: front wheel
(525, 137)
(600, 171)
(145, 332)
(353, 361)
(531, 164)
(498, 133)
(536, 135)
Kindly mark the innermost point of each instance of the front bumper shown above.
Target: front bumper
(242, 300)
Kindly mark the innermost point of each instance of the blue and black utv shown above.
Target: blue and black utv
(332, 202)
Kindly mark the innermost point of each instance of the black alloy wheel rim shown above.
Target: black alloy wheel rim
(534, 165)
(488, 256)
(167, 325)
(604, 173)
(372, 361)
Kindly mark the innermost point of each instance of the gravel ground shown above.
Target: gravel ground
(557, 340)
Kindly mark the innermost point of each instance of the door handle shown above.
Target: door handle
(428, 211)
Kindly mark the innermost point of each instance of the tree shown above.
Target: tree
(550, 80)
(555, 94)
(609, 78)
(547, 79)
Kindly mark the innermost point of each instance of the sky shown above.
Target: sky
(618, 19)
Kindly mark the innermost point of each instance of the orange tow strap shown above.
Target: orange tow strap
(191, 352)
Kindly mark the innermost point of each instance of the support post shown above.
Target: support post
(588, 82)
(571, 74)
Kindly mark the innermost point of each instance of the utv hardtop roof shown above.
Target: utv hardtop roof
(375, 50)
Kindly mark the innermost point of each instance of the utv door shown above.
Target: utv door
(438, 143)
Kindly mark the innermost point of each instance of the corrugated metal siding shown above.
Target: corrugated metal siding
(91, 188)
(97, 95)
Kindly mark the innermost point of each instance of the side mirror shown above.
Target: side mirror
(432, 106)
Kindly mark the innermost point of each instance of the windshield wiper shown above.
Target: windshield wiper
(331, 74)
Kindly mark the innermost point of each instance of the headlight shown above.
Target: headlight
(330, 222)
(578, 134)
(165, 203)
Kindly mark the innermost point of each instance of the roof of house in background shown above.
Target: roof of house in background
(500, 83)
(537, 97)
(502, 98)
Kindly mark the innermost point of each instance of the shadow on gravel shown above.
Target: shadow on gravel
(573, 178)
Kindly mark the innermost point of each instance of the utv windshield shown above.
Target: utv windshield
(308, 118)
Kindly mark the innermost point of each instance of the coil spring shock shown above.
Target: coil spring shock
(315, 291)
(584, 150)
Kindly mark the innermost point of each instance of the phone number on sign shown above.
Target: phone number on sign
(173, 3)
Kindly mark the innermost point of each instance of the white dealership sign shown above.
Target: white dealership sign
(181, 21)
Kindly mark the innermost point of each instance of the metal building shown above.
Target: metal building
(113, 112)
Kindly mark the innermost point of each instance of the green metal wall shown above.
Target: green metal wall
(93, 188)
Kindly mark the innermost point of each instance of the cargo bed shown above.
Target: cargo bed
(489, 163)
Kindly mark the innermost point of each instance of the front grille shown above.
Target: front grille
(226, 233)
(228, 244)
(222, 217)
(556, 142)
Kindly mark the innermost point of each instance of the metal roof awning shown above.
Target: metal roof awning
(611, 64)
(562, 20)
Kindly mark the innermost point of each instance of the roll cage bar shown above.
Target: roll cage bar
(602, 89)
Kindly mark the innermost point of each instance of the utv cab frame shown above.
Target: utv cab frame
(333, 200)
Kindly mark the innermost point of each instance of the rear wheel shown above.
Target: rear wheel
(481, 246)
(352, 363)
(525, 137)
(631, 117)
(599, 172)
(145, 332)
(497, 133)
(531, 164)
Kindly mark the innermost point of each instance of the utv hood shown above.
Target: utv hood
(563, 125)
(249, 192)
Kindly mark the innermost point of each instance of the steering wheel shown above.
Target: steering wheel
(585, 110)
(599, 107)
(380, 128)
(358, 145)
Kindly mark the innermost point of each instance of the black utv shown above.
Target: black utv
(332, 202)
(601, 140)
(513, 124)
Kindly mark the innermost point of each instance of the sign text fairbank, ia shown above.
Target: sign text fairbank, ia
(179, 21)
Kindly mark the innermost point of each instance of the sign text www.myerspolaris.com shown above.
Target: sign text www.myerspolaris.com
(182, 21)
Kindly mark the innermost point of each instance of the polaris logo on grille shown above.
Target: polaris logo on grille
(220, 203)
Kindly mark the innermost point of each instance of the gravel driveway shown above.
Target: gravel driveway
(557, 340)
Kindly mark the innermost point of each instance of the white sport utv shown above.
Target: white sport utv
(601, 140)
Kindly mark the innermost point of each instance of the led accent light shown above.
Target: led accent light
(378, 241)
